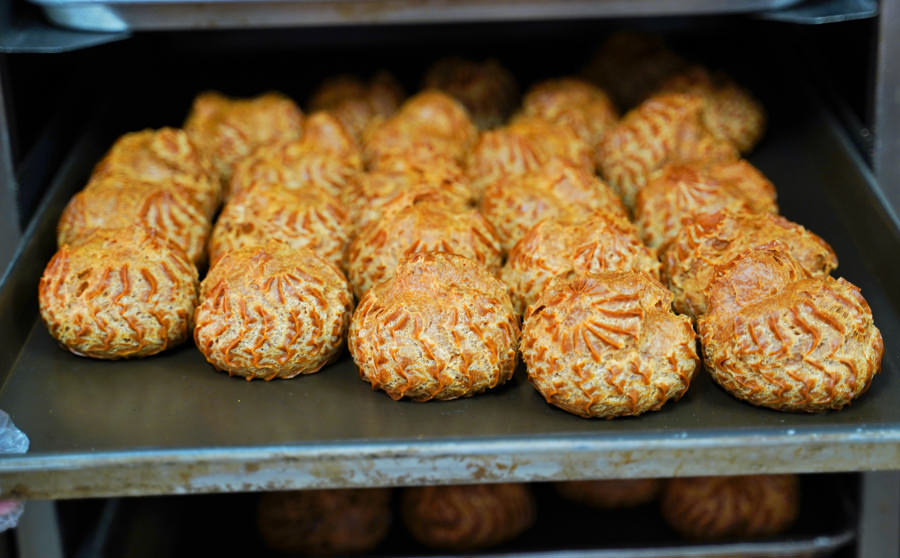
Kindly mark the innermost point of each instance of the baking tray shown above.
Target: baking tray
(122, 15)
(178, 526)
(170, 424)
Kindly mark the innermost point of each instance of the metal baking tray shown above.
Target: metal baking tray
(177, 527)
(170, 424)
(121, 15)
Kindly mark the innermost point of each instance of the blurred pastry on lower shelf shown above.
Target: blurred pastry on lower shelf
(119, 293)
(324, 522)
(776, 337)
(272, 311)
(610, 494)
(608, 345)
(464, 518)
(442, 327)
(738, 507)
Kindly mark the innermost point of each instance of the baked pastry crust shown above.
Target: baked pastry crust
(118, 293)
(575, 103)
(167, 154)
(272, 311)
(487, 89)
(467, 517)
(677, 193)
(608, 345)
(527, 144)
(366, 196)
(775, 337)
(310, 218)
(515, 203)
(598, 243)
(731, 112)
(419, 221)
(327, 158)
(610, 494)
(666, 128)
(111, 202)
(710, 240)
(442, 327)
(432, 119)
(324, 522)
(709, 508)
(227, 130)
(358, 104)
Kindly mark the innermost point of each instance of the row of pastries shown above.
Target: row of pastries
(449, 234)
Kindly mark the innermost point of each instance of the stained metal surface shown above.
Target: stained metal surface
(120, 15)
(170, 424)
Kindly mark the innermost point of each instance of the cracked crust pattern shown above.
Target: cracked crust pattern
(442, 327)
(167, 154)
(599, 243)
(516, 203)
(431, 119)
(327, 158)
(227, 130)
(710, 240)
(420, 221)
(776, 337)
(271, 312)
(467, 517)
(527, 144)
(574, 103)
(678, 193)
(119, 293)
(324, 522)
(307, 218)
(112, 203)
(487, 89)
(739, 507)
(610, 494)
(731, 112)
(608, 345)
(666, 128)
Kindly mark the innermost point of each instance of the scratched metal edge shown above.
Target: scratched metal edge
(154, 472)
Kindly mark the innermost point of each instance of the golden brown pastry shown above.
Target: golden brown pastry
(526, 144)
(467, 517)
(119, 293)
(307, 218)
(112, 203)
(631, 66)
(442, 327)
(712, 239)
(227, 130)
(419, 221)
(778, 338)
(610, 494)
(272, 311)
(486, 89)
(597, 243)
(327, 158)
(368, 193)
(731, 112)
(324, 522)
(677, 193)
(666, 128)
(162, 155)
(358, 104)
(710, 508)
(574, 103)
(559, 189)
(608, 345)
(432, 119)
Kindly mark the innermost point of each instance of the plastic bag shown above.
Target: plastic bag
(12, 440)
